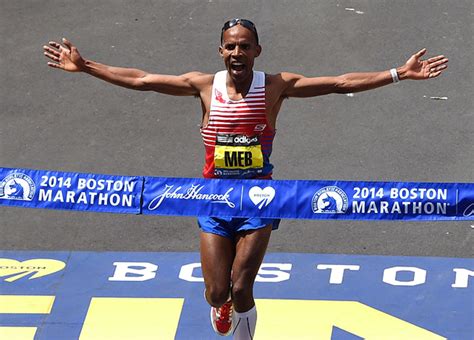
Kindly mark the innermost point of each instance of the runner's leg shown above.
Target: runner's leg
(250, 250)
(251, 246)
(217, 255)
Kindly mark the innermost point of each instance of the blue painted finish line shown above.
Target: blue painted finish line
(431, 297)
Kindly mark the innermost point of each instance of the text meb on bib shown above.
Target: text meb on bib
(238, 155)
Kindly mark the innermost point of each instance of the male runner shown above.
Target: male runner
(239, 113)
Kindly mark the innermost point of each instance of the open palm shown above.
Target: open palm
(65, 57)
(424, 69)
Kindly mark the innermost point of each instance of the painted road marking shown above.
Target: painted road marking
(131, 318)
(104, 295)
(302, 319)
(18, 304)
(18, 333)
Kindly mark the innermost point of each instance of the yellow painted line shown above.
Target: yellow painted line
(305, 319)
(17, 333)
(131, 318)
(26, 304)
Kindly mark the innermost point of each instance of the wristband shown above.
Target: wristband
(394, 74)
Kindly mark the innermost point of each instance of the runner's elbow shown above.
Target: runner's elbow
(141, 83)
(343, 85)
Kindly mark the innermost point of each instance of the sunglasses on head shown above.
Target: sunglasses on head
(244, 22)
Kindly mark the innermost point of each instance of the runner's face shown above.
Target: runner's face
(239, 49)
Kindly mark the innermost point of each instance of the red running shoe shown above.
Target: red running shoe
(221, 318)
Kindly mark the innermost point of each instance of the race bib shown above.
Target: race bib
(238, 154)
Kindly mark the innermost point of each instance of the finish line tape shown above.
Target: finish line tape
(294, 199)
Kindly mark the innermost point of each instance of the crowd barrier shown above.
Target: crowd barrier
(293, 199)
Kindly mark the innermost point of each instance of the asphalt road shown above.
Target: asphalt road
(71, 122)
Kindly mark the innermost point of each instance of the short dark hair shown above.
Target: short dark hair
(238, 21)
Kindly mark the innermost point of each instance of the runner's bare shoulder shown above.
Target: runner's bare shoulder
(200, 80)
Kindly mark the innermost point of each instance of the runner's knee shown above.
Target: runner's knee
(242, 291)
(217, 296)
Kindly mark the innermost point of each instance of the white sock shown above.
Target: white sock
(244, 324)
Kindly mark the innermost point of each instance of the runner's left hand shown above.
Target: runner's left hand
(417, 69)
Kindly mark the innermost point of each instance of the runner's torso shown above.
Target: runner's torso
(237, 138)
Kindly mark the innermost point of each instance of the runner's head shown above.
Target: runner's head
(239, 47)
(243, 22)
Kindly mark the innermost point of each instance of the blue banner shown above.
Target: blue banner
(309, 199)
(295, 199)
(72, 191)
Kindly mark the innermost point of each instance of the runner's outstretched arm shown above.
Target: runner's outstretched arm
(414, 68)
(67, 57)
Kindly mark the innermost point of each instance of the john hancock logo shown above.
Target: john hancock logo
(17, 186)
(330, 200)
(192, 193)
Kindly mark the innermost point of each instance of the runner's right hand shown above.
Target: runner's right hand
(65, 57)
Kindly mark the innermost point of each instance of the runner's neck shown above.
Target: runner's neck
(238, 90)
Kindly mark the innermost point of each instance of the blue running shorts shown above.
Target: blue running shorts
(230, 226)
